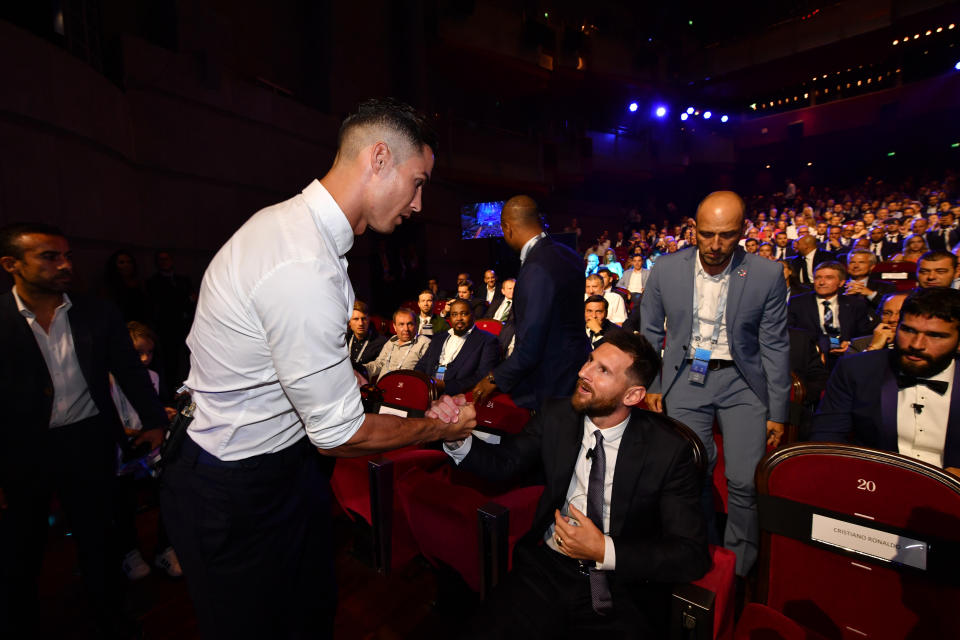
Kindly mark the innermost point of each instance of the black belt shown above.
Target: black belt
(194, 452)
(715, 365)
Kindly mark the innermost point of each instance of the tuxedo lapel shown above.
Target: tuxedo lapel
(631, 459)
(951, 448)
(888, 411)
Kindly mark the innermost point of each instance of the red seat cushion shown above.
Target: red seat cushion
(490, 326)
(720, 580)
(759, 622)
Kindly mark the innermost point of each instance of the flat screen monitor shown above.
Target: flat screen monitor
(481, 220)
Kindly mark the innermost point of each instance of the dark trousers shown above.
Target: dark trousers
(76, 462)
(545, 596)
(253, 538)
(125, 503)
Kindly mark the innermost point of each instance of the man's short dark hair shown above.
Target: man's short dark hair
(359, 305)
(466, 283)
(596, 298)
(410, 313)
(392, 114)
(940, 302)
(933, 256)
(10, 236)
(646, 360)
(463, 302)
(836, 266)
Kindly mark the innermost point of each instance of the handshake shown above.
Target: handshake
(457, 415)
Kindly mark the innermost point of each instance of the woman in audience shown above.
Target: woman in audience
(610, 262)
(914, 246)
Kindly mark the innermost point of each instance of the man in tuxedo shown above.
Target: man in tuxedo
(549, 341)
(834, 318)
(886, 329)
(429, 322)
(458, 358)
(60, 429)
(893, 241)
(859, 264)
(782, 248)
(937, 269)
(502, 306)
(905, 399)
(939, 239)
(723, 315)
(808, 258)
(630, 484)
(595, 317)
(877, 242)
(635, 277)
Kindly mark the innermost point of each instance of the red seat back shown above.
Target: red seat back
(438, 305)
(385, 328)
(499, 413)
(490, 326)
(407, 389)
(855, 498)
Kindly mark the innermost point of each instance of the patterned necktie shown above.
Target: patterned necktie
(828, 319)
(505, 312)
(599, 588)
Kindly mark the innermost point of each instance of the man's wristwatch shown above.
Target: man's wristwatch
(490, 379)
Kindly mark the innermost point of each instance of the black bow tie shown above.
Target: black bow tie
(938, 386)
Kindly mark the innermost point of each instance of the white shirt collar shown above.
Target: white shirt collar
(610, 434)
(27, 313)
(322, 206)
(831, 299)
(529, 245)
(464, 336)
(701, 272)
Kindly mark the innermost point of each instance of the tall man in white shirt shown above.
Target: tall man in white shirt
(246, 500)
(723, 315)
(904, 399)
(60, 429)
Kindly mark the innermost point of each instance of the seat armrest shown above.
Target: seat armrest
(691, 612)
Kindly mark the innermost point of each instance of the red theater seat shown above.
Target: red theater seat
(500, 415)
(438, 306)
(407, 390)
(902, 274)
(489, 325)
(829, 513)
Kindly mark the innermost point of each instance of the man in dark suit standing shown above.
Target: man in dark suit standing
(834, 318)
(60, 429)
(458, 358)
(904, 399)
(808, 258)
(628, 481)
(550, 341)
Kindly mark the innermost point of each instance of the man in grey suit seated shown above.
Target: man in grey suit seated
(727, 355)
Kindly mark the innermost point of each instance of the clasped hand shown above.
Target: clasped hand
(459, 416)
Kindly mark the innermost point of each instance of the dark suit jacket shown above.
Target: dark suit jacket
(479, 354)
(656, 521)
(860, 406)
(799, 264)
(854, 318)
(936, 241)
(891, 247)
(806, 363)
(494, 305)
(102, 345)
(790, 253)
(551, 344)
(882, 288)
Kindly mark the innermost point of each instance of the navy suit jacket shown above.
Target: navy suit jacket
(479, 354)
(855, 319)
(860, 406)
(551, 344)
(102, 345)
(756, 323)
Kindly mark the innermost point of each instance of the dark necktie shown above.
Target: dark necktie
(599, 588)
(828, 320)
(904, 381)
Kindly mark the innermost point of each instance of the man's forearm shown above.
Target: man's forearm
(380, 433)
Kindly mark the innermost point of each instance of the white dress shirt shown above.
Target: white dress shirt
(452, 346)
(779, 253)
(71, 395)
(616, 308)
(834, 307)
(269, 362)
(490, 294)
(635, 280)
(128, 415)
(579, 481)
(707, 289)
(922, 435)
(528, 245)
(808, 260)
(502, 311)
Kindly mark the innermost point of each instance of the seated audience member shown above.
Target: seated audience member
(902, 399)
(402, 351)
(937, 269)
(595, 316)
(765, 250)
(609, 573)
(834, 318)
(458, 358)
(125, 499)
(635, 277)
(364, 342)
(914, 247)
(612, 264)
(940, 239)
(502, 306)
(593, 263)
(806, 361)
(876, 238)
(430, 323)
(490, 292)
(465, 292)
(808, 258)
(859, 264)
(751, 245)
(793, 285)
(783, 249)
(893, 240)
(617, 310)
(882, 336)
(434, 288)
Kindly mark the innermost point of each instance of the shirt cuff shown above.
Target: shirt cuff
(458, 450)
(609, 555)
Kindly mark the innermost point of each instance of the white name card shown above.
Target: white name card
(390, 411)
(869, 542)
(489, 438)
(894, 275)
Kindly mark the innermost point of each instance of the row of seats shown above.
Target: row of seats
(812, 497)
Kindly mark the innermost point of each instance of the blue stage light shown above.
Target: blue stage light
(724, 118)
(684, 116)
(706, 115)
(633, 107)
(957, 66)
(660, 111)
(690, 110)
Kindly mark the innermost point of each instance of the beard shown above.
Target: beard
(594, 406)
(929, 367)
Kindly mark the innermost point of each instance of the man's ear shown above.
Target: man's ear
(9, 264)
(380, 157)
(634, 396)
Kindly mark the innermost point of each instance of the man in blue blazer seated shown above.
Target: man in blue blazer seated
(458, 358)
(727, 355)
(905, 399)
(550, 343)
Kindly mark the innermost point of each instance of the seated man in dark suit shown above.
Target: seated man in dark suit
(595, 316)
(937, 269)
(835, 319)
(886, 329)
(430, 324)
(905, 399)
(782, 249)
(502, 306)
(859, 264)
(806, 362)
(465, 292)
(630, 483)
(808, 258)
(363, 340)
(458, 358)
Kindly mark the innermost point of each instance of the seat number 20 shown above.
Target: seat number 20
(866, 485)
